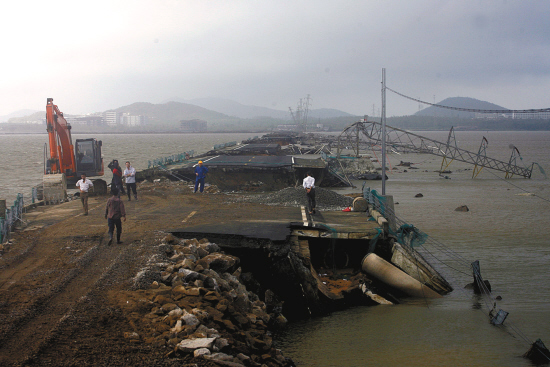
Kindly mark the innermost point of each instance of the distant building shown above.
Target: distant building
(111, 117)
(288, 127)
(514, 116)
(85, 120)
(35, 122)
(193, 126)
(132, 120)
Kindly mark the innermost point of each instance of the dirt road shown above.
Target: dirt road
(58, 279)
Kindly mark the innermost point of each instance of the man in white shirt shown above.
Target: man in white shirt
(309, 185)
(130, 176)
(84, 185)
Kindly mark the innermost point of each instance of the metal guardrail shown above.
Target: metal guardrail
(225, 145)
(11, 217)
(34, 195)
(182, 157)
(247, 141)
(176, 158)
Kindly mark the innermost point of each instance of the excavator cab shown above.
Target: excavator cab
(88, 157)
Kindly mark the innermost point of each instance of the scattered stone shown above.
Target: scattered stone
(201, 352)
(462, 208)
(419, 195)
(131, 335)
(220, 343)
(212, 189)
(190, 345)
(170, 239)
(219, 262)
(190, 319)
(280, 322)
(223, 359)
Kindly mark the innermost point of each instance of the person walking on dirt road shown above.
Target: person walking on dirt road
(84, 185)
(114, 212)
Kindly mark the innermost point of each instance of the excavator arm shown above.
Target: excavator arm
(62, 157)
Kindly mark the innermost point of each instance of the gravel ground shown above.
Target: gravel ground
(291, 196)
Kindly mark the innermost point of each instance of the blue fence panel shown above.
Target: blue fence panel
(11, 217)
(172, 159)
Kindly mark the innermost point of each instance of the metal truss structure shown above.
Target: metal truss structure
(352, 137)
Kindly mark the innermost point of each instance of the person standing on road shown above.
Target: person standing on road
(130, 176)
(309, 185)
(84, 185)
(114, 212)
(200, 173)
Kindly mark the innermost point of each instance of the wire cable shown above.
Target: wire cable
(471, 109)
(519, 188)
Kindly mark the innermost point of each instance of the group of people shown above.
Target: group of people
(129, 175)
(115, 211)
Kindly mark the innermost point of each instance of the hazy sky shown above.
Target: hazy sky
(96, 55)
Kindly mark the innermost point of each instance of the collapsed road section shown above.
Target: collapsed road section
(313, 263)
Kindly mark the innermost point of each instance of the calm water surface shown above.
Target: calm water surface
(507, 232)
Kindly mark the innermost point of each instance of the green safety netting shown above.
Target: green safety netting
(406, 234)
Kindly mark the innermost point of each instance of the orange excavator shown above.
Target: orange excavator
(67, 162)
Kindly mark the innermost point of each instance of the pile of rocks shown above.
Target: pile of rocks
(191, 300)
(296, 196)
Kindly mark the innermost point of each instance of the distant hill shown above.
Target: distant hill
(18, 113)
(327, 113)
(461, 102)
(171, 112)
(236, 109)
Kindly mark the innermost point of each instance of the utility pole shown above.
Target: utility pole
(383, 131)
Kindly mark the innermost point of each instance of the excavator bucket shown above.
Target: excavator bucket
(55, 188)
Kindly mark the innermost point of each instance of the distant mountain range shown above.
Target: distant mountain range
(227, 115)
(18, 113)
(236, 109)
(460, 102)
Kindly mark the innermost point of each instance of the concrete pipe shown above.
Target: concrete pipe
(387, 273)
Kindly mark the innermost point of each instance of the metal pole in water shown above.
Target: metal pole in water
(383, 131)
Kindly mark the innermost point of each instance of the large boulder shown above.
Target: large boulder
(219, 262)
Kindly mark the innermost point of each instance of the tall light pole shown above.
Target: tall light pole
(383, 131)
